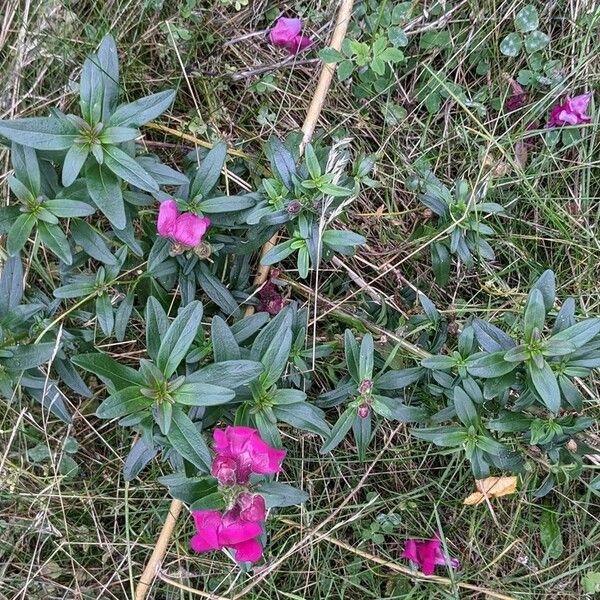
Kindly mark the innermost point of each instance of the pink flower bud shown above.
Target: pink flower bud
(252, 507)
(363, 411)
(365, 387)
(224, 469)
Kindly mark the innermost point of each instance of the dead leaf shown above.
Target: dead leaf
(492, 487)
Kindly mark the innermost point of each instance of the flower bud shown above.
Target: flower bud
(252, 507)
(294, 207)
(224, 469)
(363, 410)
(365, 387)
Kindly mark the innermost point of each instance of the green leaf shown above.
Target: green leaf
(489, 365)
(139, 456)
(339, 238)
(330, 55)
(312, 162)
(65, 207)
(123, 402)
(352, 352)
(216, 291)
(224, 204)
(110, 371)
(123, 315)
(118, 135)
(91, 91)
(490, 337)
(19, 233)
(11, 284)
(179, 338)
(439, 363)
(277, 253)
(550, 534)
(366, 357)
(105, 314)
(545, 384)
(546, 284)
(339, 430)
(223, 342)
(275, 357)
(163, 415)
(209, 171)
(536, 41)
(579, 334)
(188, 441)
(344, 69)
(214, 501)
(440, 263)
(399, 379)
(202, 394)
(282, 162)
(591, 582)
(232, 373)
(56, 240)
(142, 111)
(392, 55)
(92, 243)
(124, 166)
(157, 324)
(41, 133)
(397, 36)
(396, 410)
(277, 494)
(303, 262)
(27, 357)
(105, 190)
(25, 164)
(465, 409)
(527, 19)
(108, 61)
(535, 314)
(441, 436)
(511, 45)
(84, 287)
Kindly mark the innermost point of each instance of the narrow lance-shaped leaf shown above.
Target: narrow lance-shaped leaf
(179, 338)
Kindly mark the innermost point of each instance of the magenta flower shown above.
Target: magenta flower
(287, 34)
(572, 112)
(426, 554)
(186, 229)
(216, 531)
(250, 453)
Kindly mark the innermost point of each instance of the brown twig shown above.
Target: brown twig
(312, 117)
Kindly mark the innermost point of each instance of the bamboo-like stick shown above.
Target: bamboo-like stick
(308, 128)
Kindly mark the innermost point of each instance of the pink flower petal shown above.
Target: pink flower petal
(578, 104)
(427, 554)
(208, 524)
(248, 551)
(237, 532)
(189, 229)
(285, 31)
(298, 44)
(252, 507)
(410, 551)
(564, 116)
(167, 217)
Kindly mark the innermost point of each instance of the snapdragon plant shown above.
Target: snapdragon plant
(100, 142)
